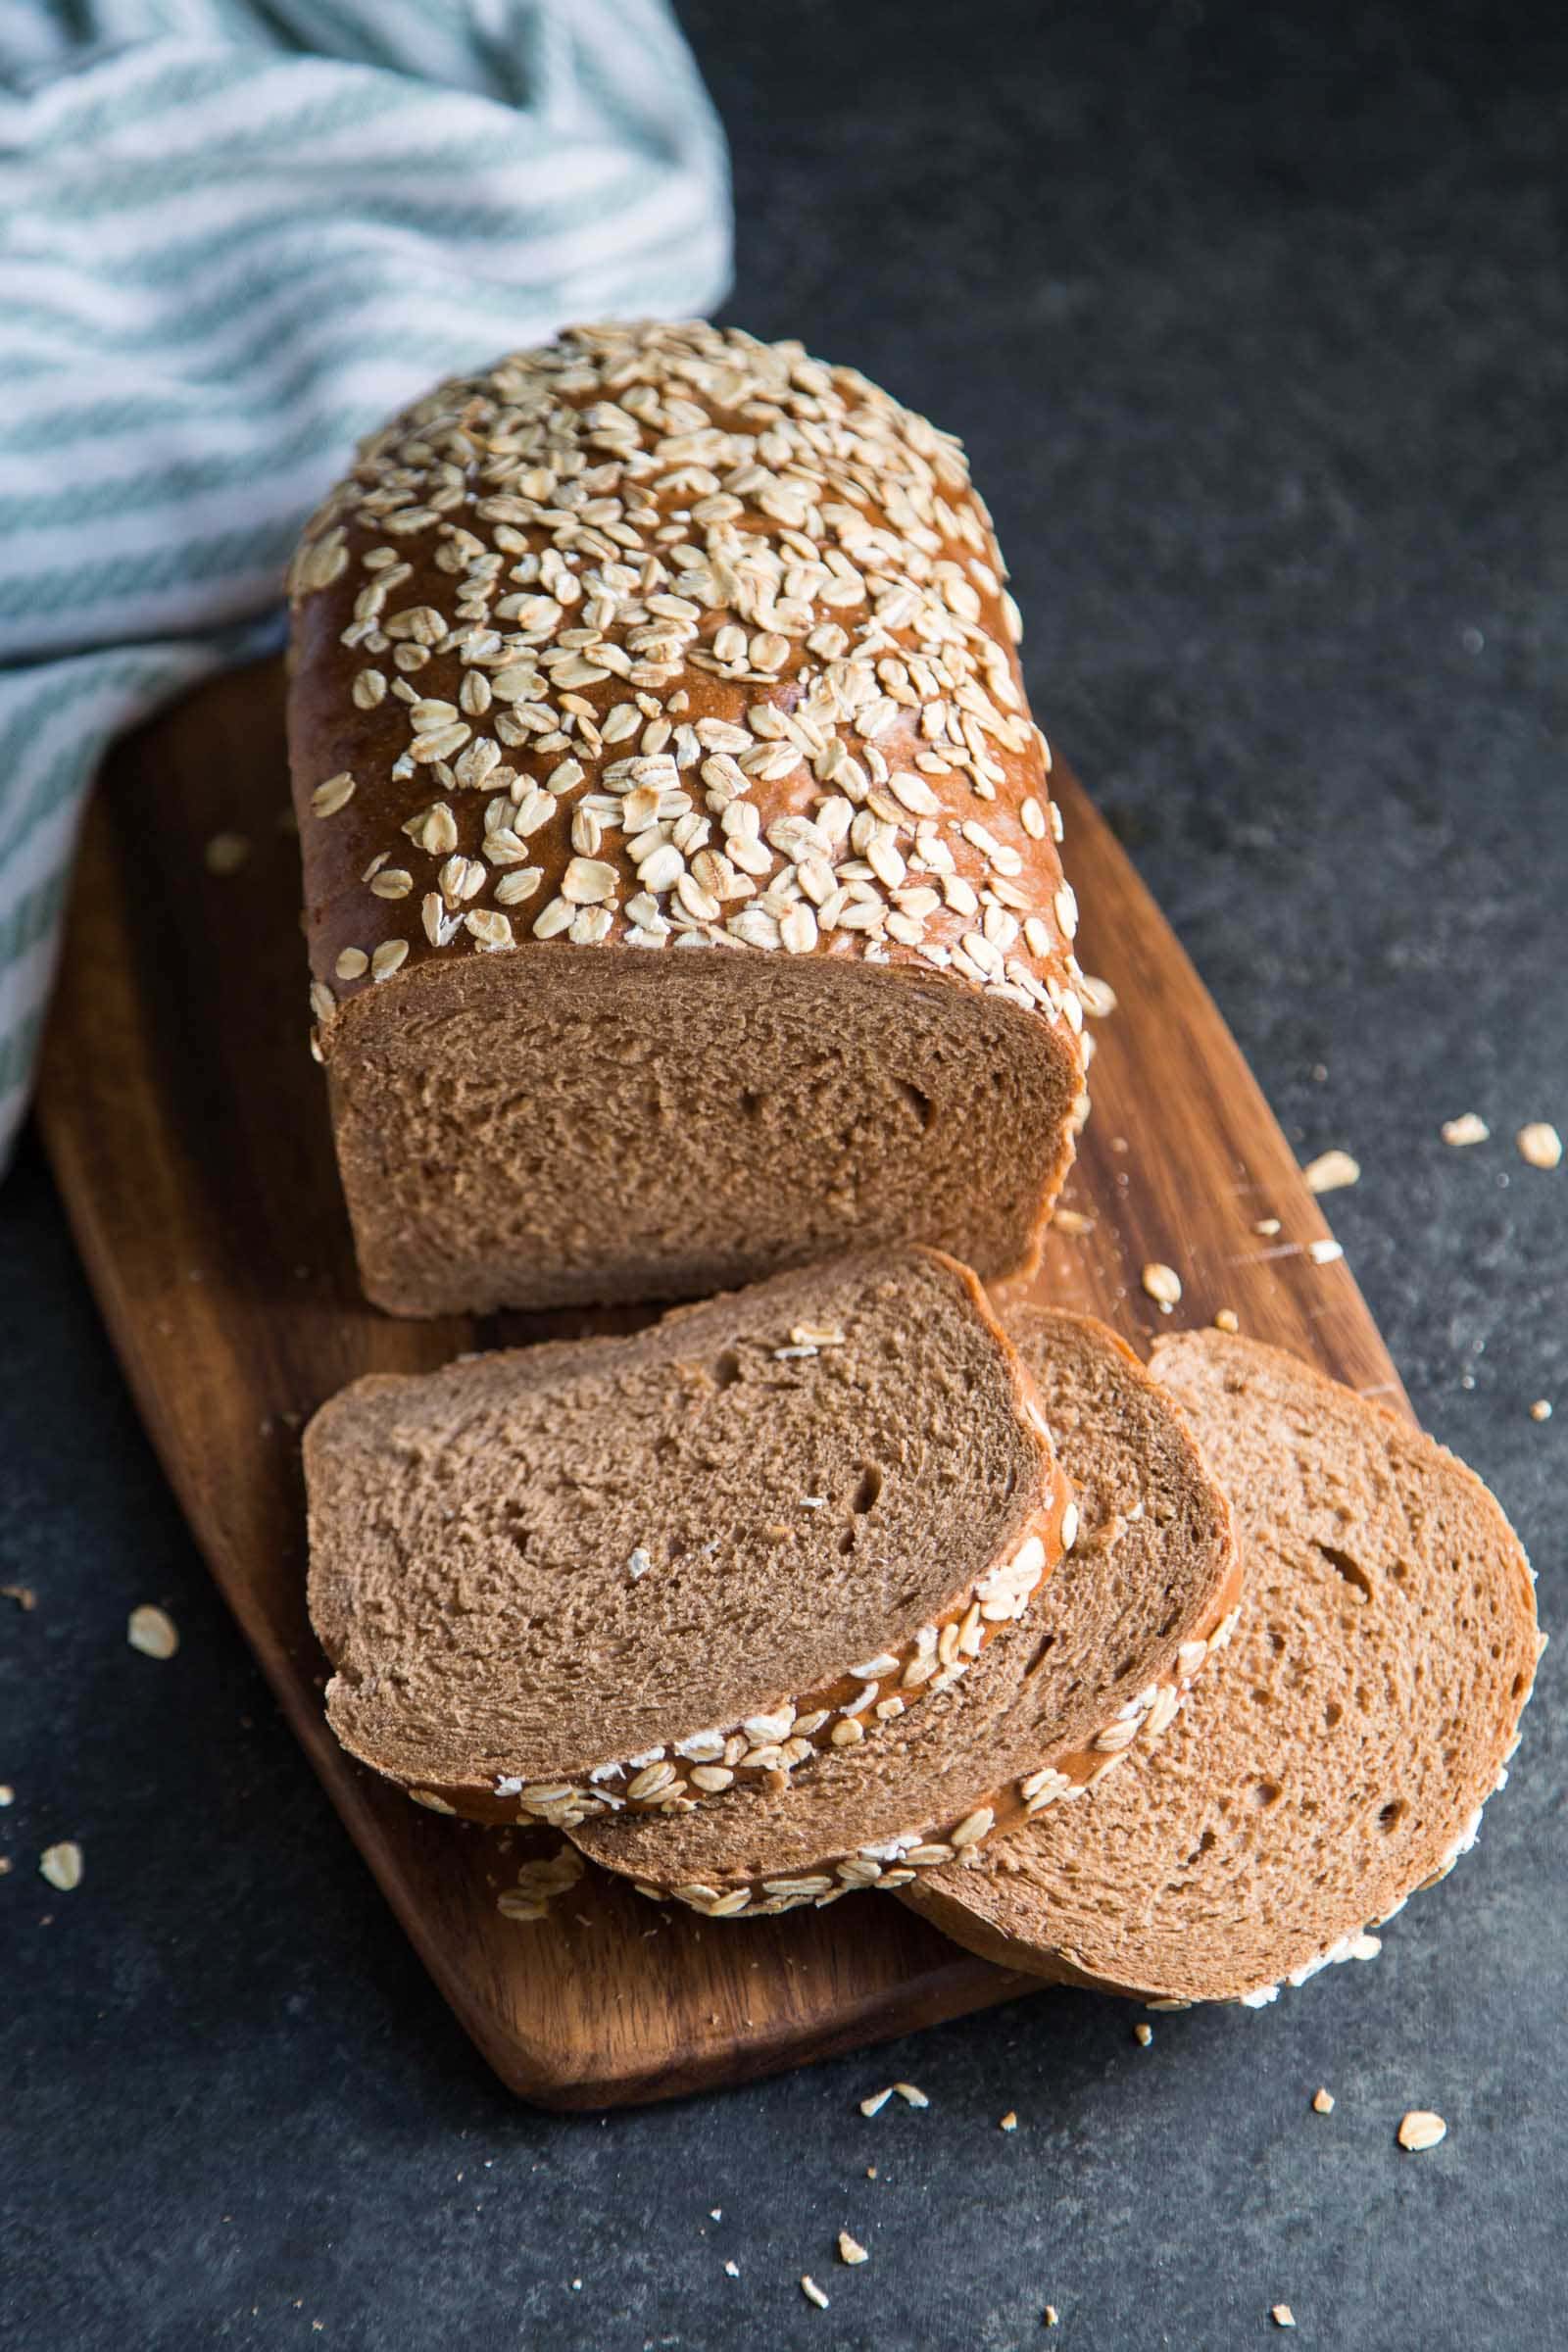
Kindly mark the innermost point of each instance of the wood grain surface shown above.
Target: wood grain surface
(187, 1130)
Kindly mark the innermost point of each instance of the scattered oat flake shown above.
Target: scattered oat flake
(1468, 1128)
(1073, 1220)
(1324, 1253)
(226, 853)
(850, 2249)
(1421, 2128)
(1540, 1144)
(911, 2094)
(733, 2269)
(8, 1795)
(1009, 2122)
(817, 1335)
(1331, 1172)
(1323, 2101)
(22, 1595)
(877, 2101)
(152, 1632)
(1268, 1227)
(813, 2293)
(1540, 1410)
(62, 1865)
(1098, 996)
(1143, 2034)
(1162, 1283)
(1283, 2316)
(1227, 1319)
(1051, 2316)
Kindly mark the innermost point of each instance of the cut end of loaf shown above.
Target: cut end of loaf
(626, 1129)
(1336, 1759)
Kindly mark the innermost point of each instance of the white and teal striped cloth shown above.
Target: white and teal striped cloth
(233, 234)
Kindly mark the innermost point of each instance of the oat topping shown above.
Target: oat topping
(1539, 1145)
(152, 1632)
(62, 1865)
(1163, 1285)
(1331, 1172)
(1468, 1128)
(530, 561)
(1420, 2128)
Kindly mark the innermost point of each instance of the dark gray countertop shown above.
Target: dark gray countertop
(1254, 324)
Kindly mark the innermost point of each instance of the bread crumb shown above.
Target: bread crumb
(1143, 2034)
(1051, 2316)
(226, 853)
(1331, 1172)
(8, 1795)
(850, 2249)
(1323, 1253)
(62, 1865)
(1227, 1319)
(539, 1881)
(1268, 1227)
(813, 2293)
(1073, 1220)
(871, 2171)
(1162, 1283)
(1540, 1410)
(1468, 1128)
(715, 2213)
(1420, 2128)
(1323, 2101)
(1540, 1144)
(5, 1866)
(911, 2094)
(733, 2269)
(1282, 2316)
(1009, 2122)
(877, 2101)
(22, 1595)
(152, 1632)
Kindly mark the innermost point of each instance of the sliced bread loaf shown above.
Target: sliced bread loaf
(568, 1579)
(1100, 1663)
(682, 893)
(1337, 1756)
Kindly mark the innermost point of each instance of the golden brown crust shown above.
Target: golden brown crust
(660, 636)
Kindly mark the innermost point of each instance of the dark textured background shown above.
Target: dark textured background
(1255, 325)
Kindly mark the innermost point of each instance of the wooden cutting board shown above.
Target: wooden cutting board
(188, 1129)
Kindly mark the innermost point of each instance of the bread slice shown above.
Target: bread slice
(1100, 1663)
(640, 1571)
(1337, 1756)
(682, 895)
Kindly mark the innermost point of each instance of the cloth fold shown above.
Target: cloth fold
(233, 235)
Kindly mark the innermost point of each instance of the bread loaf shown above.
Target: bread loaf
(1096, 1671)
(682, 895)
(1334, 1760)
(608, 1574)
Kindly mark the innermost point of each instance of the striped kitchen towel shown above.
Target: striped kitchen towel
(233, 235)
